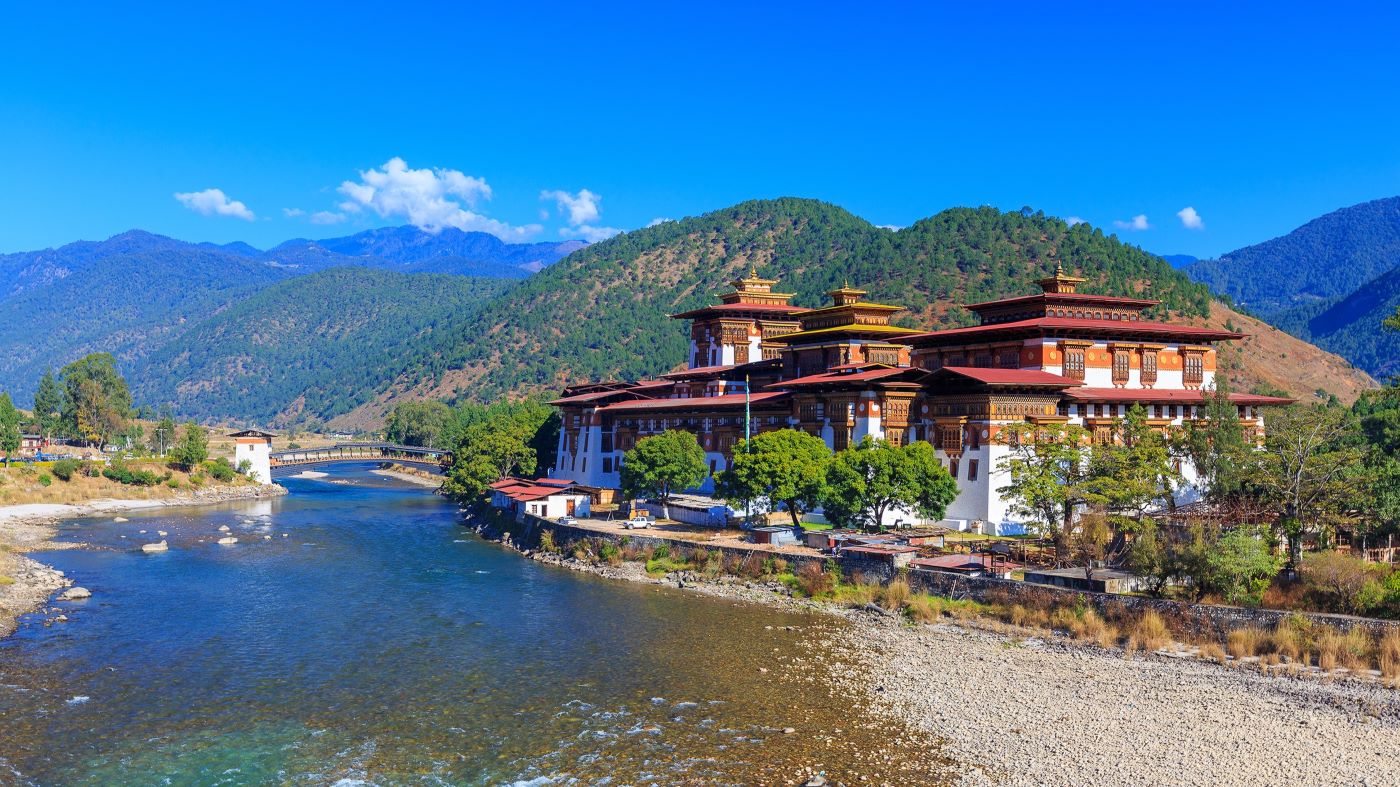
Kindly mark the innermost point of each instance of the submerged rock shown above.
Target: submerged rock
(223, 528)
(120, 519)
(75, 593)
(226, 540)
(159, 546)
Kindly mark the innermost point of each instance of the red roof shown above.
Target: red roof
(1068, 297)
(1169, 395)
(505, 482)
(963, 562)
(878, 373)
(1010, 376)
(533, 492)
(880, 550)
(778, 308)
(1118, 328)
(699, 371)
(587, 397)
(694, 402)
(553, 482)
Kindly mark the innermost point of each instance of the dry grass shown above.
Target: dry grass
(19, 488)
(894, 595)
(1247, 641)
(1388, 656)
(1150, 632)
(1211, 651)
(923, 608)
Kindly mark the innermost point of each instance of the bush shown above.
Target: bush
(547, 541)
(814, 580)
(45, 479)
(610, 553)
(1338, 582)
(894, 595)
(64, 469)
(173, 483)
(1247, 641)
(221, 470)
(122, 474)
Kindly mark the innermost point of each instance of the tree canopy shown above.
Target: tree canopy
(785, 466)
(96, 400)
(876, 478)
(663, 464)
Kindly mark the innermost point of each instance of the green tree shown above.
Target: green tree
(1216, 446)
(96, 400)
(872, 479)
(1308, 471)
(662, 464)
(9, 428)
(1378, 413)
(417, 423)
(48, 405)
(1393, 321)
(1132, 474)
(1049, 477)
(192, 449)
(162, 436)
(491, 442)
(784, 466)
(1241, 564)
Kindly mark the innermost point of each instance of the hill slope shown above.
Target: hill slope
(308, 348)
(124, 295)
(1352, 326)
(1326, 259)
(602, 311)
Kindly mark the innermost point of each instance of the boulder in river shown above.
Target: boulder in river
(223, 528)
(75, 593)
(120, 519)
(159, 546)
(162, 533)
(226, 540)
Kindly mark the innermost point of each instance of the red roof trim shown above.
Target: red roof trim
(1010, 376)
(1070, 297)
(1118, 327)
(1152, 395)
(846, 377)
(694, 402)
(740, 307)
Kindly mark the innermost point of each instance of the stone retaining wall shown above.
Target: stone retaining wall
(1197, 620)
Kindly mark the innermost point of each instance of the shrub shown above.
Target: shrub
(45, 479)
(1338, 582)
(661, 551)
(1286, 641)
(4, 580)
(547, 541)
(122, 474)
(775, 566)
(173, 483)
(813, 580)
(610, 553)
(221, 470)
(64, 469)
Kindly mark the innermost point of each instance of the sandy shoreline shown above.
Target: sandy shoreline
(427, 481)
(31, 526)
(1019, 709)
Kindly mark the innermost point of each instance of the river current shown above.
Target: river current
(356, 634)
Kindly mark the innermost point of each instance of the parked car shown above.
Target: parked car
(566, 520)
(638, 523)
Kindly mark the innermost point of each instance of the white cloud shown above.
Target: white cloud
(582, 208)
(292, 213)
(658, 220)
(1137, 224)
(1073, 220)
(213, 202)
(580, 211)
(1190, 219)
(430, 199)
(326, 217)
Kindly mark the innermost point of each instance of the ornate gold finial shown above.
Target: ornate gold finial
(753, 271)
(1059, 268)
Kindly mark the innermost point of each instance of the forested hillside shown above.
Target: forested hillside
(308, 348)
(126, 295)
(1326, 282)
(1324, 260)
(411, 250)
(602, 311)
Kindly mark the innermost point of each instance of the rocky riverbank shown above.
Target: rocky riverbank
(1016, 706)
(26, 584)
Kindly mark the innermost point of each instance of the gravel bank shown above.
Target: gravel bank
(1036, 712)
(29, 528)
(1017, 709)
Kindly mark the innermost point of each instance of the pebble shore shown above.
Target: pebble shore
(1016, 708)
(30, 528)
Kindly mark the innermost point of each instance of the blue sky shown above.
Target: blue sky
(1259, 117)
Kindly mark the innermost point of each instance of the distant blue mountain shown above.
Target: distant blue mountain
(135, 292)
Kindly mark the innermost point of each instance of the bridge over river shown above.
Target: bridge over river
(362, 452)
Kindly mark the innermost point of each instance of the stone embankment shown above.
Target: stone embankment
(1016, 706)
(26, 584)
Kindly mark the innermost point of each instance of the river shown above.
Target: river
(356, 634)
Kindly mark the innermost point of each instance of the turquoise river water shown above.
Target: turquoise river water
(378, 643)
